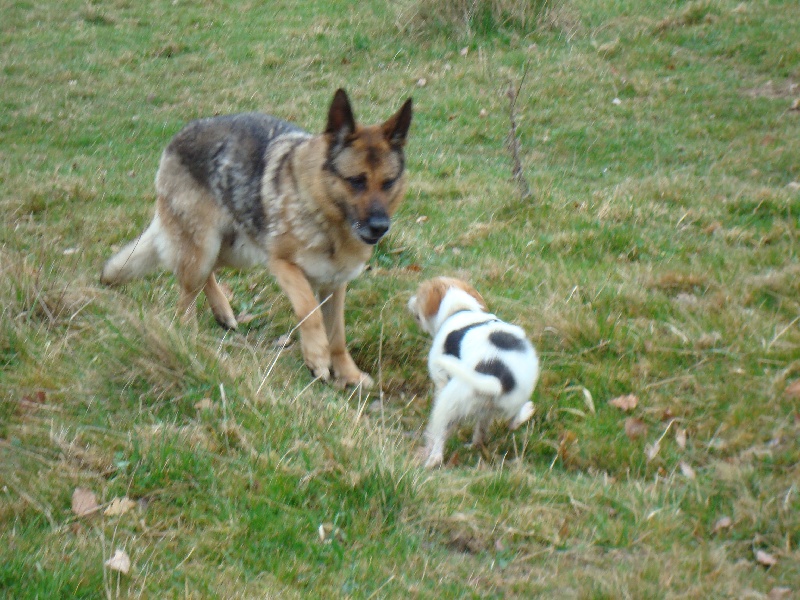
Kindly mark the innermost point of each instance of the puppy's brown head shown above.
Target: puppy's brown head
(364, 168)
(427, 303)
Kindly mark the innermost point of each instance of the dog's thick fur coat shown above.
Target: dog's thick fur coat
(251, 189)
(481, 367)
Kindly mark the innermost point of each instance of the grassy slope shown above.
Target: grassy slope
(658, 257)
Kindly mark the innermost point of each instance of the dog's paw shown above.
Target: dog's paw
(346, 372)
(354, 380)
(226, 321)
(525, 413)
(321, 373)
(317, 359)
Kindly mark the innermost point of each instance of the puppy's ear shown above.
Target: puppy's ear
(395, 129)
(474, 293)
(341, 123)
(463, 285)
(430, 294)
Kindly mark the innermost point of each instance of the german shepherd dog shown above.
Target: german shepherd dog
(250, 189)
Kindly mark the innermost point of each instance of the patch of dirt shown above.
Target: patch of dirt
(773, 90)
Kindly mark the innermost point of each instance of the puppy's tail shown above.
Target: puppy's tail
(138, 258)
(483, 384)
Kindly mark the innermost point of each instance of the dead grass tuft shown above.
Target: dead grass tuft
(675, 283)
(471, 17)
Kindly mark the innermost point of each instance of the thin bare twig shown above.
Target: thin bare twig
(513, 140)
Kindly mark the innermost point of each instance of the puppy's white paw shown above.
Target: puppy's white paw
(434, 460)
(525, 413)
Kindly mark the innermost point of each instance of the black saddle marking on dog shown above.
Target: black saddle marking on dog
(497, 368)
(452, 343)
(507, 341)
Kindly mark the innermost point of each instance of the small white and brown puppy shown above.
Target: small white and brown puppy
(481, 367)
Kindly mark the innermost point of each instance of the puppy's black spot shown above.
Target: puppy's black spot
(452, 343)
(497, 368)
(507, 341)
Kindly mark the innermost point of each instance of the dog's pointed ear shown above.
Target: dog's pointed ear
(395, 129)
(341, 122)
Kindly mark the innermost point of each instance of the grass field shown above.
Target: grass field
(657, 257)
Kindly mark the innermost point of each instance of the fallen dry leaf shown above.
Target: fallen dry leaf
(283, 341)
(778, 593)
(766, 559)
(588, 400)
(680, 438)
(687, 471)
(626, 403)
(119, 506)
(464, 51)
(243, 318)
(792, 390)
(119, 562)
(722, 523)
(204, 404)
(422, 82)
(635, 428)
(565, 443)
(651, 451)
(84, 502)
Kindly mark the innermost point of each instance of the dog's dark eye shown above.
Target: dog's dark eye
(387, 185)
(358, 182)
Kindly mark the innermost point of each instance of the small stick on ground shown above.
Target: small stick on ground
(513, 141)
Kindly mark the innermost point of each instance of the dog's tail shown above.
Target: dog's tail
(138, 258)
(483, 384)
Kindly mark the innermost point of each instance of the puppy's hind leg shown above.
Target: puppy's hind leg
(525, 413)
(479, 433)
(445, 412)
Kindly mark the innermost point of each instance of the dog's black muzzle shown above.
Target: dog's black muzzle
(374, 228)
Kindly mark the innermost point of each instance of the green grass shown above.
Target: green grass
(657, 257)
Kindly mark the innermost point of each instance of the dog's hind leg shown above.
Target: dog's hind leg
(190, 244)
(219, 304)
(138, 258)
(194, 273)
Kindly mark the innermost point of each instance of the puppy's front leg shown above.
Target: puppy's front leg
(344, 368)
(313, 339)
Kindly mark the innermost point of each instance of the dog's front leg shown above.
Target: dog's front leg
(313, 340)
(344, 368)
